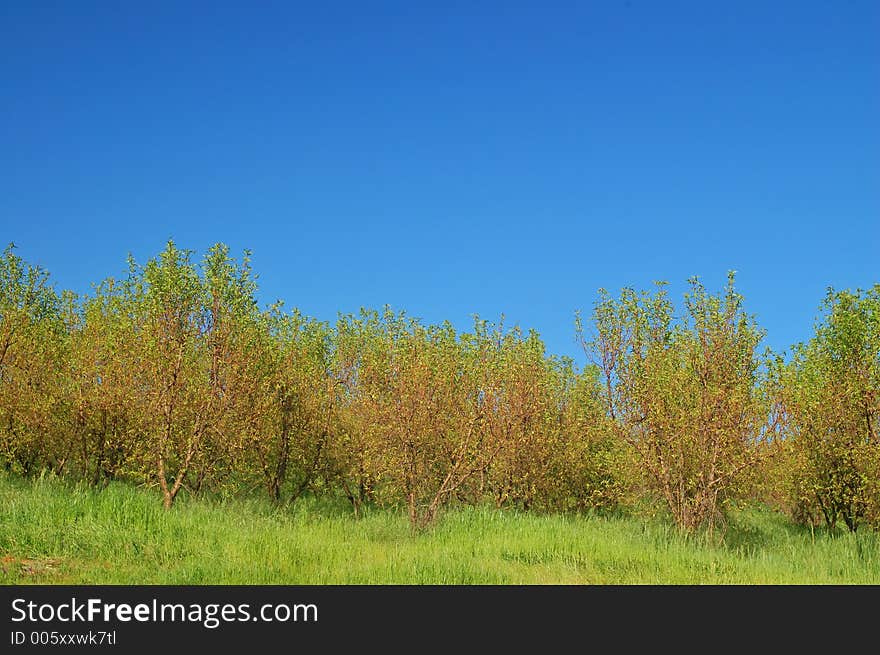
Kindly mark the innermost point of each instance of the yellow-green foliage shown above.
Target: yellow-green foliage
(173, 378)
(684, 394)
(831, 394)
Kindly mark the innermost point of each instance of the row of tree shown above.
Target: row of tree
(174, 377)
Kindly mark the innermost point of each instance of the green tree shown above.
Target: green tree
(414, 396)
(286, 407)
(685, 395)
(522, 396)
(103, 390)
(831, 396)
(32, 345)
(186, 325)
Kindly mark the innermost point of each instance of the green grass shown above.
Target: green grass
(51, 532)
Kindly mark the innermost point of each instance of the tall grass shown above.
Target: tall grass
(51, 532)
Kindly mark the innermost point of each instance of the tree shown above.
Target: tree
(353, 456)
(414, 394)
(186, 326)
(222, 340)
(590, 467)
(684, 395)
(102, 387)
(32, 343)
(522, 398)
(286, 406)
(831, 395)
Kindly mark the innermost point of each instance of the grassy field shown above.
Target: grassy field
(55, 533)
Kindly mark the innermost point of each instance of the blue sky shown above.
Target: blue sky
(452, 158)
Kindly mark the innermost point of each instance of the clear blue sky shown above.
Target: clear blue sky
(452, 158)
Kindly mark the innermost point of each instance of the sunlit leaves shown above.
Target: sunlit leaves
(831, 393)
(173, 377)
(682, 392)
